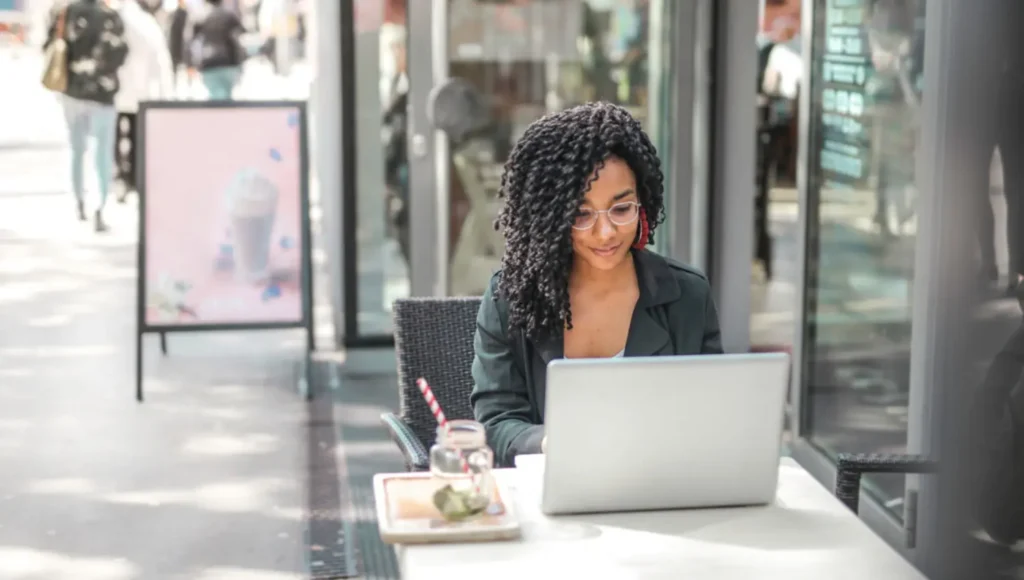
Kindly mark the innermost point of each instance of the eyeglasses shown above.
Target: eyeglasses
(620, 214)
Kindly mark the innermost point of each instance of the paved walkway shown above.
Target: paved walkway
(206, 480)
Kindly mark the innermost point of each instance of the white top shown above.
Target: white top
(806, 534)
(147, 73)
(619, 354)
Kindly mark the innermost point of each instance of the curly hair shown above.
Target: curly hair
(545, 179)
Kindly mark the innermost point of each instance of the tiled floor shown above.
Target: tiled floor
(367, 450)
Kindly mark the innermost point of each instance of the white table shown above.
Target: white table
(806, 534)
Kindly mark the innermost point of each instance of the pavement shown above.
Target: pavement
(205, 480)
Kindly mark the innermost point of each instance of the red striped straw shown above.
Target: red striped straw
(435, 408)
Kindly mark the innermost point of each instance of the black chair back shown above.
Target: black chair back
(434, 340)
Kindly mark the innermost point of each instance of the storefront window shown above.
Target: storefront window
(660, 82)
(530, 58)
(775, 273)
(381, 91)
(865, 91)
(526, 58)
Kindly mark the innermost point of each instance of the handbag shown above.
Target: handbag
(55, 70)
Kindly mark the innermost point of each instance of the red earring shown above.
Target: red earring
(643, 232)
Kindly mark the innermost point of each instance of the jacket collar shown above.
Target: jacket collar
(647, 332)
(658, 284)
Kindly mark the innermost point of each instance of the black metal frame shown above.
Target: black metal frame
(714, 56)
(306, 321)
(350, 336)
(851, 466)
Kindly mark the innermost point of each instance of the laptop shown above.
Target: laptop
(659, 433)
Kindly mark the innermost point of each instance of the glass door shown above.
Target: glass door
(861, 202)
(373, 174)
(521, 59)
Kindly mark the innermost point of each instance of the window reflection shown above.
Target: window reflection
(525, 58)
(528, 58)
(775, 273)
(381, 92)
(865, 94)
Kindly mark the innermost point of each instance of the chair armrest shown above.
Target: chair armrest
(852, 466)
(416, 457)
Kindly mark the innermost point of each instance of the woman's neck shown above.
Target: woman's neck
(595, 280)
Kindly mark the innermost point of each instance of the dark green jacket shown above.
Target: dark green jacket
(675, 315)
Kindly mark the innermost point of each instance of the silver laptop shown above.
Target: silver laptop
(656, 433)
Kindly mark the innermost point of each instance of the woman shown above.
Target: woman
(216, 50)
(583, 193)
(96, 50)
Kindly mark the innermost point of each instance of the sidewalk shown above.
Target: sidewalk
(206, 480)
(31, 115)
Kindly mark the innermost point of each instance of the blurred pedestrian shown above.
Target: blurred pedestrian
(176, 37)
(997, 443)
(147, 75)
(271, 17)
(96, 50)
(216, 50)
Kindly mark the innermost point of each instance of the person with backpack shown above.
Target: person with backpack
(85, 47)
(216, 50)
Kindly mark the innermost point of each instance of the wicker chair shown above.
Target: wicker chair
(852, 466)
(433, 340)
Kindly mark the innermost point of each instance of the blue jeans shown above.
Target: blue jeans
(221, 81)
(91, 119)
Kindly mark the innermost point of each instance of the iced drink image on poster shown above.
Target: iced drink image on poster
(251, 201)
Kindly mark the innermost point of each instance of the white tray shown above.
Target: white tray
(406, 514)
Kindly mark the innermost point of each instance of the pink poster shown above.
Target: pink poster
(223, 215)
